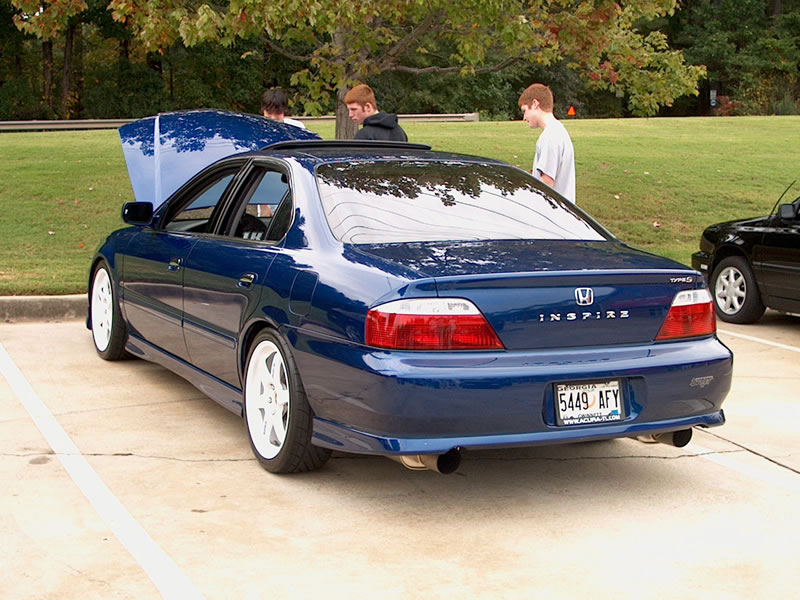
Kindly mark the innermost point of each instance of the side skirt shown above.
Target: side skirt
(220, 392)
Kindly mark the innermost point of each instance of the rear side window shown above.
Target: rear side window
(420, 201)
(268, 203)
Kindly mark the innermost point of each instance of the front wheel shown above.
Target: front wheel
(108, 330)
(276, 412)
(736, 295)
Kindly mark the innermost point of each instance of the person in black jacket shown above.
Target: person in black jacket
(377, 125)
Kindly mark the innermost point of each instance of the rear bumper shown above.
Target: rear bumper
(702, 262)
(405, 402)
(343, 438)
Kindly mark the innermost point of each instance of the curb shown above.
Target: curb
(43, 308)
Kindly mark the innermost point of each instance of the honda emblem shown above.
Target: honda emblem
(584, 296)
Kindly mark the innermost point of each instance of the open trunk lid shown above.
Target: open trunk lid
(164, 151)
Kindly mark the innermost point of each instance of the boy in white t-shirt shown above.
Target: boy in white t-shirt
(554, 162)
(274, 104)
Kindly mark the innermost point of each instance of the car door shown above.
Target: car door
(153, 269)
(778, 259)
(224, 274)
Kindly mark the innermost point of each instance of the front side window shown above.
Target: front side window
(195, 215)
(421, 201)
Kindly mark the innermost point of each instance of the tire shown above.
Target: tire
(277, 416)
(109, 332)
(736, 295)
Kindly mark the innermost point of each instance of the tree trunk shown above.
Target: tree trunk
(66, 74)
(77, 95)
(345, 128)
(153, 61)
(125, 49)
(171, 67)
(47, 64)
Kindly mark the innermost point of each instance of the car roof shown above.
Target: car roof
(327, 151)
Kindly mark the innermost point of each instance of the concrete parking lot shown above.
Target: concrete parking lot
(121, 480)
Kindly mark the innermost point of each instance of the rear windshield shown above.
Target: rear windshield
(422, 201)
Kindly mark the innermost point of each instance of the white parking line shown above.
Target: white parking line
(781, 479)
(759, 340)
(159, 567)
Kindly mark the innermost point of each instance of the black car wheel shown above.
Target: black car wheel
(736, 294)
(108, 330)
(276, 411)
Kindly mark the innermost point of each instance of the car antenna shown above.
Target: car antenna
(781, 198)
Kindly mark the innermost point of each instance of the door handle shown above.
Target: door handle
(175, 264)
(246, 280)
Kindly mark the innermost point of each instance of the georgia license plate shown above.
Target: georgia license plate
(593, 402)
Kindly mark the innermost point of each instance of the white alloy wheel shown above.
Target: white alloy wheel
(730, 290)
(267, 398)
(102, 309)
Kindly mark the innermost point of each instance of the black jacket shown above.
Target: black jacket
(382, 126)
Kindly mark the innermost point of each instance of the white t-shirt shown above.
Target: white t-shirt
(294, 122)
(556, 157)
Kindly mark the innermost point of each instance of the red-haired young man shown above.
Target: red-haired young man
(364, 111)
(554, 162)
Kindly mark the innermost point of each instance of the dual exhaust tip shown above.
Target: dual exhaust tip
(449, 461)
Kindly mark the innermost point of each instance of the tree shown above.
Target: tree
(49, 21)
(342, 43)
(13, 88)
(751, 49)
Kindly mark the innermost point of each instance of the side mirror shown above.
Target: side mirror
(787, 212)
(137, 213)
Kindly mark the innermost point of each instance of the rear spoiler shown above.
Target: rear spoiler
(347, 144)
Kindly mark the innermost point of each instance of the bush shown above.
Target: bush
(125, 90)
(787, 106)
(18, 102)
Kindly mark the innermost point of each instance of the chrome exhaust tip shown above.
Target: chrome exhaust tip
(441, 463)
(671, 438)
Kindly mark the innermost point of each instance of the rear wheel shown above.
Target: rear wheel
(108, 330)
(276, 412)
(736, 295)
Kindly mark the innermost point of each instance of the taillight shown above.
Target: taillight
(430, 324)
(691, 315)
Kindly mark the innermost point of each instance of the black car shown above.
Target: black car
(753, 264)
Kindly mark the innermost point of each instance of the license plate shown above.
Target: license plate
(593, 402)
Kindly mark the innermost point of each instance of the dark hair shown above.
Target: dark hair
(274, 101)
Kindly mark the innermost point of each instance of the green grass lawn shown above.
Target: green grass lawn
(655, 183)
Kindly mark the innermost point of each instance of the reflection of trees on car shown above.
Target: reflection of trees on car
(409, 201)
(191, 131)
(414, 179)
(189, 141)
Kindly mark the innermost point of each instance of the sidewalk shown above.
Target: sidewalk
(43, 308)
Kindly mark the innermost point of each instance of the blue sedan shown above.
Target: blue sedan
(382, 298)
